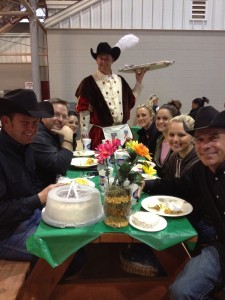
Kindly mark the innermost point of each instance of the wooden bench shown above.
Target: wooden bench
(12, 278)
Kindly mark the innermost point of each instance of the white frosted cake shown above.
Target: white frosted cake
(145, 220)
(82, 207)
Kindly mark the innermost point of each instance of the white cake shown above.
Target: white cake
(82, 207)
(145, 220)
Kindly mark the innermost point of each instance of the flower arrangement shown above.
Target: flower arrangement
(124, 172)
(117, 197)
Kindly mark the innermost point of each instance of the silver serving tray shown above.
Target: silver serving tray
(148, 66)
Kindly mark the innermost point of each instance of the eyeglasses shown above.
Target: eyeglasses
(60, 116)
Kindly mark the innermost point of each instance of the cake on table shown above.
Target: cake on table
(73, 207)
(145, 220)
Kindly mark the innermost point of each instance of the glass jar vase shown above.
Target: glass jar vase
(117, 205)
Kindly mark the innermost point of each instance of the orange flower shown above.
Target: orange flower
(140, 149)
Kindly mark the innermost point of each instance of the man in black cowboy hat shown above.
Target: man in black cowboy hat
(20, 201)
(104, 98)
(206, 184)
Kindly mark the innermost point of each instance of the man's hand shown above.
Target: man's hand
(140, 189)
(65, 131)
(44, 193)
(140, 75)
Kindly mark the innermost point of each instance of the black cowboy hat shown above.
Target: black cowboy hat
(24, 101)
(218, 121)
(204, 118)
(104, 48)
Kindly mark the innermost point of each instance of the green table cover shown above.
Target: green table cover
(55, 245)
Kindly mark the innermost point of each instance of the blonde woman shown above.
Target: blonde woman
(148, 134)
(184, 155)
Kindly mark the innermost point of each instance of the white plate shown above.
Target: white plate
(173, 203)
(83, 153)
(141, 215)
(149, 66)
(82, 162)
(82, 181)
(148, 176)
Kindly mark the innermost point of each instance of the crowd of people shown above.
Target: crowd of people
(37, 141)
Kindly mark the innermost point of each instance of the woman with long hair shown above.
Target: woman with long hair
(148, 134)
(163, 151)
(73, 123)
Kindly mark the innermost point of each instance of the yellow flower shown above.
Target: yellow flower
(149, 170)
(130, 144)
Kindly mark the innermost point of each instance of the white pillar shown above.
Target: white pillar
(34, 51)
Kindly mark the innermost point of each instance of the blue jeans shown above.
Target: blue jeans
(13, 240)
(201, 275)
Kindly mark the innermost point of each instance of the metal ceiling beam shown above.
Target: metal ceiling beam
(7, 27)
(27, 6)
(14, 13)
(69, 11)
(53, 4)
(30, 10)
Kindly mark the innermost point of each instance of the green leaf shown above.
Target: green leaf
(135, 177)
(125, 168)
(132, 155)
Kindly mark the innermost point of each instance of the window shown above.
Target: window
(199, 10)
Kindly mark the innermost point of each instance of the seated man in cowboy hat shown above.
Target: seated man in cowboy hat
(104, 98)
(20, 201)
(204, 187)
(53, 144)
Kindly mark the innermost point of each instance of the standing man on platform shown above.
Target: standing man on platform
(104, 98)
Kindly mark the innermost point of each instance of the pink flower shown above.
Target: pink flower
(107, 149)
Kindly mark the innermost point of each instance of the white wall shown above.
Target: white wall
(14, 76)
(138, 14)
(199, 68)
